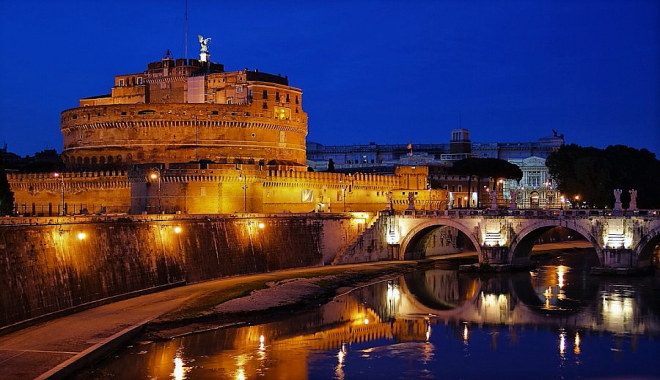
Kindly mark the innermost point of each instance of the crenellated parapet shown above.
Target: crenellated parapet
(74, 192)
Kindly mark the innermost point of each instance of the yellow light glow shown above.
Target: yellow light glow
(262, 226)
(153, 176)
(56, 175)
(576, 344)
(562, 343)
(81, 235)
(179, 372)
(177, 230)
(561, 270)
(466, 333)
(366, 321)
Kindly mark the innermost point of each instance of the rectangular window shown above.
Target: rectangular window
(121, 83)
(287, 98)
(139, 80)
(265, 94)
(277, 96)
(202, 191)
(239, 89)
(460, 188)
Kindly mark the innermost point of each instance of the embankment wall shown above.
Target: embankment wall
(52, 264)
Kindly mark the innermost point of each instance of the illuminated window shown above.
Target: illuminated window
(282, 113)
(121, 83)
(139, 80)
(239, 89)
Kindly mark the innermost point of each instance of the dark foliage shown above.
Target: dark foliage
(331, 166)
(594, 173)
(6, 195)
(487, 168)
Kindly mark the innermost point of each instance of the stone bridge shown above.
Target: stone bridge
(624, 241)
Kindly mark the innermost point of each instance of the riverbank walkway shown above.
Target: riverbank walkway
(55, 349)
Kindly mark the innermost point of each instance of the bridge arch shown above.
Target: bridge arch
(521, 246)
(645, 248)
(420, 230)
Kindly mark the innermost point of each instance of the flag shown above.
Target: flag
(409, 146)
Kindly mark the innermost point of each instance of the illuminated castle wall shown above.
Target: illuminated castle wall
(185, 136)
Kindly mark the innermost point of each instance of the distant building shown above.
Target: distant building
(535, 190)
(372, 156)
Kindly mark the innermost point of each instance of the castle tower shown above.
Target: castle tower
(460, 141)
(183, 110)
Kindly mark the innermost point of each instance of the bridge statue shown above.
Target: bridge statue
(493, 199)
(411, 200)
(617, 200)
(633, 200)
(514, 197)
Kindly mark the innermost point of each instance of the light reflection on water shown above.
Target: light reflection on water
(553, 322)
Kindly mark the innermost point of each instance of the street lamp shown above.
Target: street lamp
(241, 175)
(61, 178)
(156, 175)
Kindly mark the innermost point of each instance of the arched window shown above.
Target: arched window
(94, 160)
(102, 160)
(110, 159)
(86, 160)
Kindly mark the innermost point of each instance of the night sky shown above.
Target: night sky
(371, 71)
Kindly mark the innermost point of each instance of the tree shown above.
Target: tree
(593, 174)
(6, 195)
(331, 165)
(485, 168)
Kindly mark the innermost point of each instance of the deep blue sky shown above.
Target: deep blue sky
(382, 71)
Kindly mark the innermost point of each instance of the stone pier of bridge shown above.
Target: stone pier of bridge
(624, 242)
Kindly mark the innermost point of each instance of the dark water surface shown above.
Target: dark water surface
(551, 323)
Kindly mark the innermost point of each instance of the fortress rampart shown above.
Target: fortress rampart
(124, 134)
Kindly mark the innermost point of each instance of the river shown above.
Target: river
(550, 323)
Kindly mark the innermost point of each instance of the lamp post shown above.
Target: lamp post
(61, 178)
(241, 175)
(156, 175)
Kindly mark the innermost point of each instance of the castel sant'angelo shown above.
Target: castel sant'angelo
(186, 136)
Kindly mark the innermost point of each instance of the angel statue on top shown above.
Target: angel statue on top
(204, 42)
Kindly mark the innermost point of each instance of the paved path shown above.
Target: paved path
(56, 348)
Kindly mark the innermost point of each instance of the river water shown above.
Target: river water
(555, 322)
